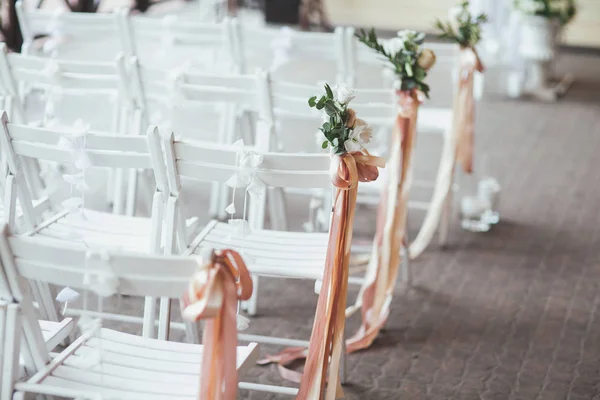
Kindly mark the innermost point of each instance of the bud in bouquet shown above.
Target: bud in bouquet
(426, 59)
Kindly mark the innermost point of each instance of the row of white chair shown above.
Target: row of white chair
(228, 45)
(126, 366)
(289, 255)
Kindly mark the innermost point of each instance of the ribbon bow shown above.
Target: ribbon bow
(73, 141)
(348, 169)
(213, 294)
(245, 176)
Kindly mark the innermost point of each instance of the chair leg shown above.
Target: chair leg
(251, 305)
(149, 317)
(132, 180)
(277, 209)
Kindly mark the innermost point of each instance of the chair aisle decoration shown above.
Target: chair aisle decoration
(213, 294)
(346, 135)
(410, 64)
(465, 30)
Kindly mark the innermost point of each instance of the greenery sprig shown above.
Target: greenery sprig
(343, 130)
(563, 10)
(409, 62)
(461, 26)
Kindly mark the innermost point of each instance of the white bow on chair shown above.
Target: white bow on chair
(282, 47)
(245, 176)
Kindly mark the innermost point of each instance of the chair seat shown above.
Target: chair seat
(102, 229)
(55, 332)
(132, 367)
(271, 253)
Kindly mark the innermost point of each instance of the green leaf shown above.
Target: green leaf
(312, 101)
(420, 73)
(327, 126)
(328, 91)
(324, 144)
(330, 109)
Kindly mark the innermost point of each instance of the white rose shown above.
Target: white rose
(344, 94)
(353, 143)
(392, 46)
(407, 34)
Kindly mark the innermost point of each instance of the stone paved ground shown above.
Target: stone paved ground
(510, 314)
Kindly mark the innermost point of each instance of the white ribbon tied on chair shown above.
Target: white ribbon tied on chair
(99, 275)
(245, 175)
(73, 141)
(281, 47)
(57, 36)
(53, 93)
(174, 81)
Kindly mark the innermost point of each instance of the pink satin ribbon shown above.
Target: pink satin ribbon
(213, 294)
(320, 379)
(463, 123)
(376, 293)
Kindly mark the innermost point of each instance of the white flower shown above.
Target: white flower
(392, 46)
(344, 94)
(364, 132)
(407, 35)
(353, 143)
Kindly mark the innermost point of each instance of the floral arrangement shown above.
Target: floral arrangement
(343, 130)
(409, 61)
(563, 10)
(462, 27)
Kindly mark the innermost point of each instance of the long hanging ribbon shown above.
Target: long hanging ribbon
(375, 295)
(458, 147)
(326, 341)
(213, 295)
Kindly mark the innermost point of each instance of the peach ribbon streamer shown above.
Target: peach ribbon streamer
(376, 293)
(213, 294)
(326, 341)
(458, 147)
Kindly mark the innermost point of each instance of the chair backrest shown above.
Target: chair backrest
(294, 50)
(211, 162)
(89, 36)
(102, 150)
(65, 263)
(86, 89)
(170, 41)
(186, 96)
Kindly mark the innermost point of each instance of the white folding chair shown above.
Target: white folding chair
(170, 41)
(96, 93)
(128, 366)
(72, 35)
(84, 225)
(206, 107)
(273, 253)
